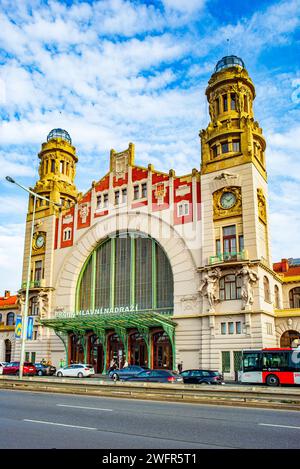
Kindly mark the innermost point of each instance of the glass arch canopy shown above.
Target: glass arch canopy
(128, 272)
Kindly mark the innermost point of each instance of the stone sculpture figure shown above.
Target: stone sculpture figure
(249, 278)
(208, 287)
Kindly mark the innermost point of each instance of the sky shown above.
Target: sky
(112, 72)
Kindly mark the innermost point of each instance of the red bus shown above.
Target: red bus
(271, 366)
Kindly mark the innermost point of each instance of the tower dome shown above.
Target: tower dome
(59, 133)
(229, 61)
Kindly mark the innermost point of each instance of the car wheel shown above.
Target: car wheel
(59, 374)
(80, 375)
(115, 377)
(272, 380)
(40, 373)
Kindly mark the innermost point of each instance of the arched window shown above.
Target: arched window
(295, 297)
(125, 271)
(277, 297)
(34, 306)
(230, 287)
(10, 319)
(266, 289)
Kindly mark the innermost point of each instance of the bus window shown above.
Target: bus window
(295, 360)
(276, 360)
(251, 361)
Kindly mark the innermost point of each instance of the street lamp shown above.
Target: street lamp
(25, 313)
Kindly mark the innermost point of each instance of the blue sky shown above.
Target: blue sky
(115, 71)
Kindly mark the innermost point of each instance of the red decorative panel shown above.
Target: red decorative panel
(139, 204)
(138, 174)
(67, 226)
(160, 192)
(84, 212)
(101, 214)
(183, 192)
(103, 185)
(117, 182)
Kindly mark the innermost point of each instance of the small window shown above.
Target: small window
(233, 101)
(225, 147)
(67, 234)
(266, 289)
(241, 243)
(295, 297)
(38, 271)
(183, 209)
(277, 297)
(215, 151)
(99, 199)
(62, 167)
(217, 106)
(136, 192)
(117, 197)
(236, 146)
(144, 190)
(218, 247)
(225, 103)
(238, 327)
(124, 196)
(105, 200)
(52, 166)
(230, 328)
(10, 319)
(230, 287)
(223, 328)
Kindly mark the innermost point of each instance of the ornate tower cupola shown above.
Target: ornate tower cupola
(232, 137)
(57, 171)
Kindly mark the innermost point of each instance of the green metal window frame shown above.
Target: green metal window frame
(92, 257)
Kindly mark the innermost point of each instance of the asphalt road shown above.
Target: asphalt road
(44, 420)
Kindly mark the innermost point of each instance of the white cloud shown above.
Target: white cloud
(11, 255)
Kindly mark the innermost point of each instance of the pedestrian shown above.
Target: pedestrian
(125, 363)
(179, 367)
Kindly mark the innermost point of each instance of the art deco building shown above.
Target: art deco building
(157, 267)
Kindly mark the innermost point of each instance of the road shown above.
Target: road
(44, 420)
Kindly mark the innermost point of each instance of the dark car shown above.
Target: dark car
(126, 372)
(202, 377)
(156, 376)
(44, 370)
(13, 368)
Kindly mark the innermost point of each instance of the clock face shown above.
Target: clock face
(228, 200)
(40, 240)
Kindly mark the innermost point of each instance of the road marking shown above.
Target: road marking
(59, 424)
(281, 426)
(82, 407)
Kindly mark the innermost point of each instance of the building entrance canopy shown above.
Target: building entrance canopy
(121, 324)
(82, 324)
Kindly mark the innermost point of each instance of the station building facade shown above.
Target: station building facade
(156, 268)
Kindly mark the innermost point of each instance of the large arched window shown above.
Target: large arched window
(126, 270)
(10, 319)
(295, 297)
(230, 287)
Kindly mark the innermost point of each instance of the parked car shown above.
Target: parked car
(126, 372)
(44, 370)
(156, 376)
(2, 365)
(202, 377)
(13, 368)
(77, 370)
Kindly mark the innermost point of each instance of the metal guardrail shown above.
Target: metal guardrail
(228, 257)
(249, 396)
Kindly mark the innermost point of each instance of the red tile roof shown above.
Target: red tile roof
(8, 300)
(285, 269)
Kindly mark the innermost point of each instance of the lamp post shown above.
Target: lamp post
(25, 312)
